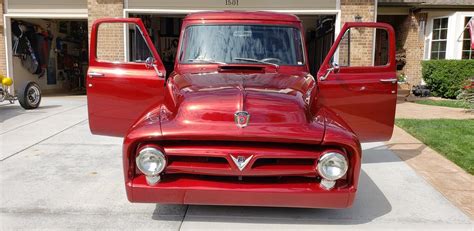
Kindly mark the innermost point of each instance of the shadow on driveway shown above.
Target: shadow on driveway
(379, 154)
(9, 111)
(370, 204)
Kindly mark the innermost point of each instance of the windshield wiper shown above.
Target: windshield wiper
(257, 61)
(206, 61)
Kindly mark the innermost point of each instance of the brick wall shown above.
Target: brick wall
(110, 43)
(413, 44)
(361, 41)
(3, 61)
(351, 8)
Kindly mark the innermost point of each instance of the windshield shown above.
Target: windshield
(257, 44)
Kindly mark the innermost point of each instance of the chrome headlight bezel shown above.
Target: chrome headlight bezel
(326, 159)
(155, 154)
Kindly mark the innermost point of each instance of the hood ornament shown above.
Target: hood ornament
(241, 161)
(241, 118)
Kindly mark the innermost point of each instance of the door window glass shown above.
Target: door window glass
(361, 47)
(110, 43)
(139, 50)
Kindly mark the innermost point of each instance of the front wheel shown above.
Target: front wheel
(30, 96)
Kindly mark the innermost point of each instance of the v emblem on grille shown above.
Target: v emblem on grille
(241, 161)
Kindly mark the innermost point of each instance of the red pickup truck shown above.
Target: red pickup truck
(240, 120)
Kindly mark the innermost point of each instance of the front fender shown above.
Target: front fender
(146, 128)
(338, 133)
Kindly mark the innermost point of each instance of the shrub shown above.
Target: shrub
(446, 78)
(402, 78)
(467, 95)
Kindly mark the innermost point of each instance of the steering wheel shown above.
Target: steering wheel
(271, 59)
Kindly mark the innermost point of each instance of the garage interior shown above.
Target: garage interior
(51, 52)
(164, 31)
(54, 52)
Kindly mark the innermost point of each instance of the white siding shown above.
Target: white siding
(455, 28)
(243, 4)
(458, 30)
(47, 6)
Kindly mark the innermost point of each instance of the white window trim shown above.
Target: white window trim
(455, 27)
(471, 51)
(438, 40)
(458, 30)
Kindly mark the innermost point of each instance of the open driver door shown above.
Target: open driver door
(121, 89)
(362, 90)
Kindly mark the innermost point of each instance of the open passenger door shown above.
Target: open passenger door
(362, 93)
(119, 90)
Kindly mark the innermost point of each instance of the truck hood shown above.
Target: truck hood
(202, 106)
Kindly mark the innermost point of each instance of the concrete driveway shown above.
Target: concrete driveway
(55, 175)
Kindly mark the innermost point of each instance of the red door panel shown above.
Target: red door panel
(119, 92)
(364, 97)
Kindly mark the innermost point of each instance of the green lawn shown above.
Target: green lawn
(452, 138)
(444, 103)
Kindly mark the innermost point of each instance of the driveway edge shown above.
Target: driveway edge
(449, 179)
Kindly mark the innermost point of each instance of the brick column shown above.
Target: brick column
(110, 43)
(361, 39)
(3, 60)
(351, 8)
(413, 43)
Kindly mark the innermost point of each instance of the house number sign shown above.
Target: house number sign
(231, 2)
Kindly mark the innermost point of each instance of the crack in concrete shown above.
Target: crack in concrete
(13, 129)
(1, 160)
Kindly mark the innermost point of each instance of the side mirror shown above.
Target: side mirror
(150, 62)
(334, 68)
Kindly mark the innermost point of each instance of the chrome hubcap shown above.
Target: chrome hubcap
(33, 95)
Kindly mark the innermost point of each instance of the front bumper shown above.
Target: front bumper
(278, 175)
(198, 191)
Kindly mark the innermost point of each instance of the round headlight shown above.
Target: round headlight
(332, 166)
(151, 161)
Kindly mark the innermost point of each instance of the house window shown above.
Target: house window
(439, 38)
(467, 52)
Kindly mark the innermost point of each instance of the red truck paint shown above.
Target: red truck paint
(295, 118)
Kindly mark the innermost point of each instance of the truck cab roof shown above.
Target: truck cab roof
(244, 15)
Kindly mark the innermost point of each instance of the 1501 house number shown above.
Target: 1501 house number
(231, 2)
